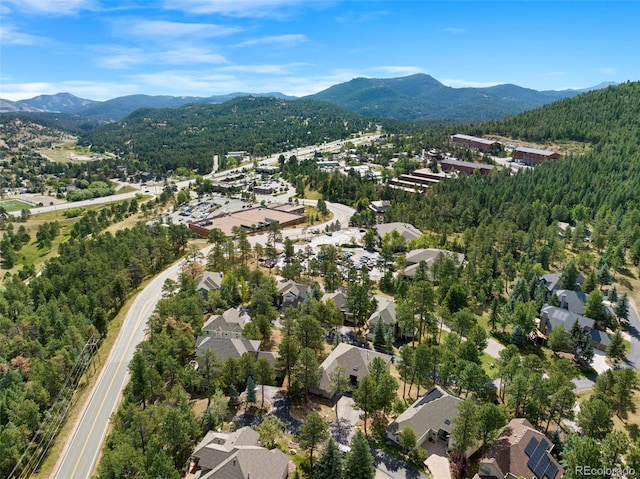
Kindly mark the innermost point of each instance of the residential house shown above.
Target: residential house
(431, 418)
(209, 281)
(228, 324)
(291, 293)
(406, 230)
(428, 255)
(519, 451)
(380, 206)
(354, 360)
(385, 310)
(552, 315)
(225, 346)
(237, 456)
(339, 298)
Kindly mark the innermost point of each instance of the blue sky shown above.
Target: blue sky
(101, 49)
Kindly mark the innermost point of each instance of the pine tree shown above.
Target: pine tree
(379, 332)
(358, 464)
(251, 391)
(615, 350)
(329, 464)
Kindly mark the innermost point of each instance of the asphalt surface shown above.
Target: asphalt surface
(633, 328)
(79, 458)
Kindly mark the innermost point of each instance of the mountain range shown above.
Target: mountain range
(413, 97)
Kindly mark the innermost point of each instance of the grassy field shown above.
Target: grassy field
(65, 152)
(15, 205)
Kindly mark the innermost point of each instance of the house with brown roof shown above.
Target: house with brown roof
(520, 451)
(354, 360)
(237, 456)
(430, 417)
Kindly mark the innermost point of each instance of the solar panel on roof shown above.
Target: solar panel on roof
(541, 467)
(551, 471)
(536, 456)
(531, 446)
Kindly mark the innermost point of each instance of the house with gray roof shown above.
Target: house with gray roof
(552, 281)
(291, 293)
(385, 310)
(228, 324)
(414, 257)
(225, 347)
(237, 456)
(354, 360)
(339, 300)
(551, 316)
(210, 280)
(431, 418)
(406, 230)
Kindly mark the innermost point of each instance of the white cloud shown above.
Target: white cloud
(122, 58)
(457, 83)
(118, 57)
(398, 70)
(286, 40)
(189, 54)
(164, 29)
(359, 17)
(263, 69)
(53, 7)
(233, 8)
(84, 89)
(10, 36)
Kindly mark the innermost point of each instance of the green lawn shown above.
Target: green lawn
(15, 205)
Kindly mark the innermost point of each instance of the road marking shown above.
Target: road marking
(86, 442)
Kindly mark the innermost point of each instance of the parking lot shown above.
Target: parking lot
(349, 243)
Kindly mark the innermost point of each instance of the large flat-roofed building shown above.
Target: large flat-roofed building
(252, 219)
(476, 143)
(533, 156)
(450, 165)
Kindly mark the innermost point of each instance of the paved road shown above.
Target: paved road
(633, 328)
(79, 457)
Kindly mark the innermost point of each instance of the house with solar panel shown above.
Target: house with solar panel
(520, 451)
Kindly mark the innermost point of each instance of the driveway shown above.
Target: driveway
(388, 467)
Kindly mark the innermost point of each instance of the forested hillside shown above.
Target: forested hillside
(423, 97)
(189, 136)
(45, 324)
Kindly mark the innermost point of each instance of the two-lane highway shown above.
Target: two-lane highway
(79, 457)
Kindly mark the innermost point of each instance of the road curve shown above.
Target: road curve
(80, 455)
